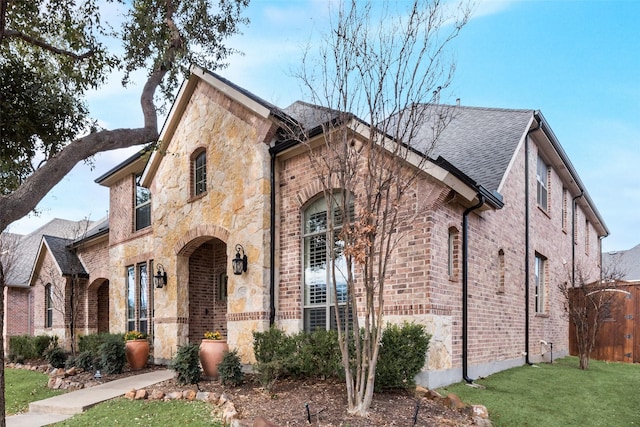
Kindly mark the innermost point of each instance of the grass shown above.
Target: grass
(146, 413)
(23, 387)
(559, 395)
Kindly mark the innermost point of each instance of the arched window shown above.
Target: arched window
(322, 252)
(452, 253)
(199, 172)
(501, 271)
(48, 301)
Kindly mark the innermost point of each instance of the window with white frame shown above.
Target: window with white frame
(322, 251)
(199, 167)
(143, 206)
(48, 298)
(542, 176)
(540, 282)
(138, 294)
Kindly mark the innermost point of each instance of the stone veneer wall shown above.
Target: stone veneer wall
(234, 209)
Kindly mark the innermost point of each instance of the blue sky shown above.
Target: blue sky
(576, 61)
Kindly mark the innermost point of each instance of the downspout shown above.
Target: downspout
(465, 287)
(272, 249)
(573, 236)
(526, 245)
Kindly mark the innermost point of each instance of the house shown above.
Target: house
(503, 216)
(18, 263)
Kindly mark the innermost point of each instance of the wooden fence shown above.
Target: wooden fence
(619, 336)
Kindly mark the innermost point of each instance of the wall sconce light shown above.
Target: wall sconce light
(239, 263)
(160, 279)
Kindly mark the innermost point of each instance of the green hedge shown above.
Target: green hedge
(27, 347)
(317, 355)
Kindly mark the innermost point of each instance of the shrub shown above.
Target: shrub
(43, 342)
(92, 342)
(186, 364)
(87, 361)
(319, 354)
(402, 355)
(275, 355)
(112, 356)
(55, 356)
(26, 347)
(230, 369)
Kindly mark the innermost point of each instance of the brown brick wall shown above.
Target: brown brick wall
(418, 279)
(18, 320)
(207, 311)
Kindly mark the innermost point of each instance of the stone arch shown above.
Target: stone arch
(198, 235)
(201, 256)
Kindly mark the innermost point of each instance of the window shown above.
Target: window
(48, 298)
(143, 298)
(542, 175)
(322, 252)
(143, 206)
(137, 282)
(540, 282)
(586, 237)
(199, 173)
(223, 279)
(501, 271)
(452, 250)
(131, 298)
(565, 208)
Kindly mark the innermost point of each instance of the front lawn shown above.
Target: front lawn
(145, 413)
(559, 395)
(23, 387)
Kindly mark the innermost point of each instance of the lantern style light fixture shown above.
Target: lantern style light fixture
(160, 279)
(239, 263)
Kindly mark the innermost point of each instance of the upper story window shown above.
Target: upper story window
(143, 206)
(323, 250)
(565, 208)
(542, 176)
(199, 172)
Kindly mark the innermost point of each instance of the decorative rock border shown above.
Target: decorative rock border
(478, 413)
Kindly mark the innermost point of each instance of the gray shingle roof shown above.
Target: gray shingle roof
(481, 141)
(626, 262)
(28, 246)
(66, 259)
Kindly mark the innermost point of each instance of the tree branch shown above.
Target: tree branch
(44, 45)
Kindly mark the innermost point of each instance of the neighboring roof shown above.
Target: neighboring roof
(29, 245)
(99, 228)
(627, 263)
(67, 261)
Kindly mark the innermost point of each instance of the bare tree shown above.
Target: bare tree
(67, 291)
(588, 303)
(375, 87)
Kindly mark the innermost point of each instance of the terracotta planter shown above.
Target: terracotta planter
(137, 353)
(211, 354)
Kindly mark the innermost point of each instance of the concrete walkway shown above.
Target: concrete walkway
(59, 408)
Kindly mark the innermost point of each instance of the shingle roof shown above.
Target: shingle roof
(28, 246)
(626, 262)
(66, 259)
(480, 141)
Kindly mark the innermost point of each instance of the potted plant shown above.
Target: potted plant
(212, 349)
(136, 349)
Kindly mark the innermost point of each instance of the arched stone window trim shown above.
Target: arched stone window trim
(198, 173)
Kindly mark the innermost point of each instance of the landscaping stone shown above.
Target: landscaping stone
(454, 402)
(156, 395)
(189, 395)
(141, 394)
